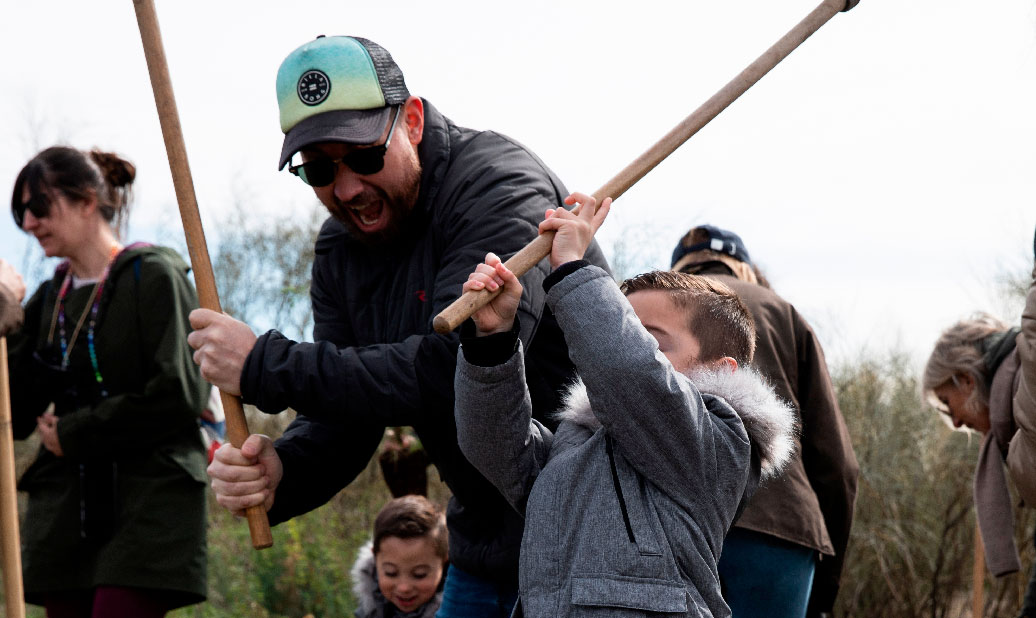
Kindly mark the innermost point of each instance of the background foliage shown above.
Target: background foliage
(912, 544)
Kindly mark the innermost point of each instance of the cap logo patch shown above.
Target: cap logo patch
(313, 87)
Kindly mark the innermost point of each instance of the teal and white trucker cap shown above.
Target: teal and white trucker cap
(336, 89)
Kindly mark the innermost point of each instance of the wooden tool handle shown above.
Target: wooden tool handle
(154, 52)
(470, 302)
(978, 575)
(11, 546)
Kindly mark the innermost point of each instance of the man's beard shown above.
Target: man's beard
(397, 206)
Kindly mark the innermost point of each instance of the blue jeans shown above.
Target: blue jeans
(762, 575)
(469, 596)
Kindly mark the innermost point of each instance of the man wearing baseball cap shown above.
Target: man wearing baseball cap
(784, 556)
(415, 202)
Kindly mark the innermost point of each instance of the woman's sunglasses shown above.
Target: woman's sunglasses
(38, 205)
(363, 161)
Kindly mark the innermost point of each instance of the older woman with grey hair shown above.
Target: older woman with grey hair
(960, 371)
(982, 375)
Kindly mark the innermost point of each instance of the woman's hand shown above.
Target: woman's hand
(498, 315)
(574, 232)
(48, 426)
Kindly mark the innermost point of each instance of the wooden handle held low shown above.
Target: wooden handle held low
(9, 538)
(978, 576)
(470, 302)
(154, 52)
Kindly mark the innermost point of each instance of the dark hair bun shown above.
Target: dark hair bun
(117, 171)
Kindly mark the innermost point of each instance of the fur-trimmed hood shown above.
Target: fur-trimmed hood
(772, 424)
(365, 580)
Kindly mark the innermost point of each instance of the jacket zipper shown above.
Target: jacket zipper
(618, 488)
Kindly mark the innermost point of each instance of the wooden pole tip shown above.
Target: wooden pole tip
(442, 325)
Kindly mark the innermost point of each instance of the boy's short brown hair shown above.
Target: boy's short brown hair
(716, 315)
(411, 517)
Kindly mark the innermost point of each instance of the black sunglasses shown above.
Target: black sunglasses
(38, 205)
(363, 161)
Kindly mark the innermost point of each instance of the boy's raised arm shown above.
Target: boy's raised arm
(495, 428)
(493, 409)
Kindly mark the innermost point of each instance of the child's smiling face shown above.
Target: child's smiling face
(409, 571)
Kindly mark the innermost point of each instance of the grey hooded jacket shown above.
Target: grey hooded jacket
(626, 507)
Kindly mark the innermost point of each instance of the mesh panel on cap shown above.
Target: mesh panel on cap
(390, 77)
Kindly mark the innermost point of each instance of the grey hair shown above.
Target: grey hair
(959, 351)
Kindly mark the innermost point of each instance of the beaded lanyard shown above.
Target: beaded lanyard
(93, 305)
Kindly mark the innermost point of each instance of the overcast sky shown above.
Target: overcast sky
(883, 175)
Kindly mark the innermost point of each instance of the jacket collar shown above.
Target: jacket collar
(772, 424)
(1001, 395)
(996, 348)
(434, 154)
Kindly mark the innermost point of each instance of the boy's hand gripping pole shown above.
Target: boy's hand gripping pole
(237, 427)
(532, 253)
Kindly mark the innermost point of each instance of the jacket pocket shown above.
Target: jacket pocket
(651, 595)
(633, 502)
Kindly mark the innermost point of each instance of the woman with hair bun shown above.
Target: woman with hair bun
(116, 515)
(982, 376)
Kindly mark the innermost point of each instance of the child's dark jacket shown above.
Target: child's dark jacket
(626, 507)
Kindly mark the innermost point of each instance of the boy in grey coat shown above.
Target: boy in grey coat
(661, 444)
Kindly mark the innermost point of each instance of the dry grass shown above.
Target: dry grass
(912, 546)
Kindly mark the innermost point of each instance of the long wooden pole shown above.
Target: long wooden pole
(531, 254)
(978, 576)
(12, 551)
(154, 52)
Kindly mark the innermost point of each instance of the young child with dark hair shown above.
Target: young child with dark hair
(400, 572)
(660, 444)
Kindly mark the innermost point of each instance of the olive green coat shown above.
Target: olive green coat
(135, 456)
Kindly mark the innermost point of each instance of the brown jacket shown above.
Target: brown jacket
(1011, 441)
(811, 503)
(10, 312)
(1021, 454)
